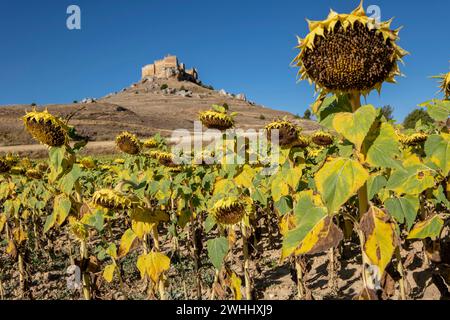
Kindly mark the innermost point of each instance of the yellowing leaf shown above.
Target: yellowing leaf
(245, 178)
(437, 148)
(236, 283)
(355, 126)
(153, 265)
(279, 188)
(108, 272)
(323, 236)
(126, 242)
(2, 221)
(430, 228)
(380, 238)
(338, 180)
(293, 176)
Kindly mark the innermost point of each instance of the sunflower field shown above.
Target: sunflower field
(361, 188)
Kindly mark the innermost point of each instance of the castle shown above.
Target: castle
(169, 68)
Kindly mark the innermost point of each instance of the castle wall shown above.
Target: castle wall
(169, 68)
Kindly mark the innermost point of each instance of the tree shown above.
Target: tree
(416, 115)
(387, 112)
(307, 114)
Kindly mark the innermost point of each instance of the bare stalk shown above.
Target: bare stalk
(401, 271)
(248, 284)
(301, 291)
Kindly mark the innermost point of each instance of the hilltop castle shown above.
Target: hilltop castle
(169, 68)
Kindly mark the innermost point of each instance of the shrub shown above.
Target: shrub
(416, 115)
(262, 117)
(164, 86)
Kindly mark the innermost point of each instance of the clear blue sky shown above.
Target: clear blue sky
(241, 46)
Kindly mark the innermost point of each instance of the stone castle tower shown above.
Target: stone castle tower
(169, 68)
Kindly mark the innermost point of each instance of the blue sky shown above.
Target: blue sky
(241, 46)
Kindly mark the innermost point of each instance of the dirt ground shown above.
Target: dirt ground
(273, 279)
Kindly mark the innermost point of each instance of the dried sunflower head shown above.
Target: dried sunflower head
(216, 120)
(88, 163)
(445, 84)
(150, 143)
(46, 128)
(25, 163)
(301, 142)
(119, 161)
(17, 170)
(287, 131)
(12, 159)
(230, 210)
(128, 143)
(42, 166)
(348, 53)
(322, 138)
(4, 165)
(34, 174)
(413, 139)
(166, 159)
(112, 199)
(313, 152)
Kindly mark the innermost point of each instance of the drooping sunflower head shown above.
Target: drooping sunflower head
(42, 167)
(414, 139)
(119, 161)
(112, 199)
(230, 210)
(88, 163)
(151, 143)
(348, 53)
(17, 170)
(287, 131)
(4, 165)
(445, 85)
(322, 138)
(301, 142)
(216, 120)
(12, 159)
(34, 174)
(128, 143)
(166, 159)
(26, 163)
(46, 128)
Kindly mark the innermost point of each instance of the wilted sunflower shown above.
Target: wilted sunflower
(150, 143)
(445, 84)
(414, 139)
(301, 142)
(112, 199)
(4, 166)
(230, 210)
(322, 138)
(46, 128)
(34, 174)
(12, 159)
(349, 53)
(166, 159)
(88, 163)
(42, 166)
(216, 120)
(17, 170)
(128, 143)
(287, 132)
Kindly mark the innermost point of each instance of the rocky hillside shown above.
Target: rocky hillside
(145, 108)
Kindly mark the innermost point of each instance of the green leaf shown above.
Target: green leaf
(355, 126)
(68, 181)
(50, 221)
(210, 222)
(384, 148)
(437, 149)
(284, 205)
(439, 110)
(430, 228)
(374, 185)
(403, 209)
(330, 107)
(413, 179)
(61, 207)
(338, 180)
(308, 213)
(217, 250)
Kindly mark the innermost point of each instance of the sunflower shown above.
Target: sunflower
(230, 210)
(301, 142)
(46, 128)
(119, 161)
(4, 165)
(413, 139)
(216, 120)
(128, 143)
(322, 138)
(17, 170)
(12, 159)
(166, 159)
(287, 132)
(112, 199)
(88, 163)
(445, 84)
(150, 143)
(42, 167)
(34, 174)
(349, 53)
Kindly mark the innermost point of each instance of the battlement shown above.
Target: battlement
(169, 68)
